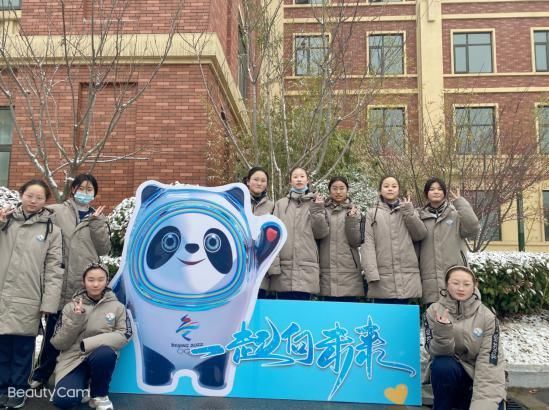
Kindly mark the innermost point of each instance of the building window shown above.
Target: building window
(487, 207)
(386, 53)
(6, 126)
(387, 129)
(10, 4)
(310, 54)
(541, 47)
(242, 63)
(311, 1)
(475, 130)
(473, 53)
(543, 129)
(546, 214)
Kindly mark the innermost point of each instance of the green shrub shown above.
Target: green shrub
(512, 282)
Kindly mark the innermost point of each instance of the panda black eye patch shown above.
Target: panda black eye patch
(163, 246)
(218, 249)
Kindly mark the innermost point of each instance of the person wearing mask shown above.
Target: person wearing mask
(85, 239)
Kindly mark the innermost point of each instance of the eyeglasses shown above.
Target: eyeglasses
(30, 197)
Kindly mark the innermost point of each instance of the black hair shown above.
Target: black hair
(253, 170)
(384, 177)
(430, 182)
(454, 268)
(80, 179)
(338, 179)
(38, 182)
(298, 167)
(96, 265)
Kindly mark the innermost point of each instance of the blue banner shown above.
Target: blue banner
(349, 352)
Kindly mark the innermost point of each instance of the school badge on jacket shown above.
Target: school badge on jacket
(192, 264)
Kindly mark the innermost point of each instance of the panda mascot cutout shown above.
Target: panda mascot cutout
(192, 264)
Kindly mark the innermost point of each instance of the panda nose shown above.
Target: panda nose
(191, 247)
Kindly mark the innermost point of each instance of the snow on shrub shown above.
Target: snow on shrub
(119, 219)
(512, 282)
(8, 197)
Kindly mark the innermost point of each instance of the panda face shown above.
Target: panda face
(190, 253)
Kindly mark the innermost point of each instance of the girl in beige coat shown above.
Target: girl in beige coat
(295, 272)
(388, 254)
(89, 333)
(467, 368)
(85, 239)
(257, 181)
(340, 272)
(30, 285)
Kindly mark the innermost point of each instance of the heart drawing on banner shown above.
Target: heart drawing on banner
(397, 394)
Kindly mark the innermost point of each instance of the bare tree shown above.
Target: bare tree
(491, 165)
(302, 99)
(81, 55)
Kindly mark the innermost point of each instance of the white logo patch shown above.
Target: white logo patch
(477, 332)
(40, 238)
(109, 318)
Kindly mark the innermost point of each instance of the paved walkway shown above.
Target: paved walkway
(529, 399)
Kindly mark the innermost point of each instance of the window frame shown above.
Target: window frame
(295, 36)
(545, 214)
(469, 196)
(370, 34)
(495, 129)
(3, 8)
(381, 149)
(534, 55)
(540, 126)
(467, 32)
(8, 147)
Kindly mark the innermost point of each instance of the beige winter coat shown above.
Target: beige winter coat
(444, 246)
(296, 269)
(83, 242)
(103, 323)
(340, 271)
(473, 338)
(30, 271)
(263, 207)
(388, 254)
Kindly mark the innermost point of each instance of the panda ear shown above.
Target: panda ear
(149, 192)
(268, 240)
(236, 197)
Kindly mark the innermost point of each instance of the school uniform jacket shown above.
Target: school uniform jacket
(103, 323)
(30, 271)
(389, 258)
(340, 270)
(296, 269)
(444, 246)
(473, 338)
(83, 242)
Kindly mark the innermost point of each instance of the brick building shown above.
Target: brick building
(483, 64)
(169, 129)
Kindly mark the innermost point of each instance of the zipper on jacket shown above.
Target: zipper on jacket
(463, 258)
(353, 255)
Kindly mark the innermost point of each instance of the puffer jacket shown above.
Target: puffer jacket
(103, 323)
(30, 271)
(340, 271)
(263, 207)
(83, 242)
(444, 246)
(389, 258)
(296, 269)
(473, 338)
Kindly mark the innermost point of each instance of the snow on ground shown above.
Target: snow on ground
(526, 339)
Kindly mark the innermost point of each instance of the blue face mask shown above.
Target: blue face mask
(299, 191)
(83, 198)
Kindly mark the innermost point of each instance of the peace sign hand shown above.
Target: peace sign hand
(318, 199)
(444, 318)
(5, 212)
(353, 211)
(99, 211)
(407, 200)
(78, 306)
(454, 194)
